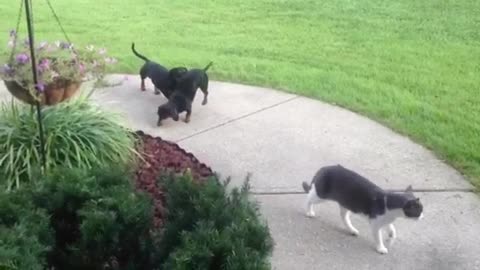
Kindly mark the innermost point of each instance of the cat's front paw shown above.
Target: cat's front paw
(382, 250)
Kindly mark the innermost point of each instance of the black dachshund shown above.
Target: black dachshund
(182, 98)
(163, 79)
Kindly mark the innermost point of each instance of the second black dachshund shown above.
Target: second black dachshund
(182, 97)
(163, 79)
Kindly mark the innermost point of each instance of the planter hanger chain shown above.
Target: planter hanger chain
(19, 18)
(29, 18)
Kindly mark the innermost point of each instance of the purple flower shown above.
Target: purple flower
(65, 45)
(40, 87)
(44, 65)
(13, 33)
(7, 70)
(6, 67)
(81, 67)
(22, 58)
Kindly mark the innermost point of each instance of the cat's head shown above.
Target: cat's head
(413, 208)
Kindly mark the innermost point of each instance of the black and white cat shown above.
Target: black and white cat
(354, 193)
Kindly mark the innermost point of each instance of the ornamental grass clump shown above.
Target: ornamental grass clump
(78, 134)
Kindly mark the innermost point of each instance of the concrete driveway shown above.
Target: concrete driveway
(282, 139)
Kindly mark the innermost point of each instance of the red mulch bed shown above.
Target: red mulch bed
(164, 157)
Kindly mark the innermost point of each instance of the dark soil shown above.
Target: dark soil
(162, 156)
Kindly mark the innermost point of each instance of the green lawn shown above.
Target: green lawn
(412, 65)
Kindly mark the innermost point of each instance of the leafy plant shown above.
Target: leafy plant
(25, 235)
(210, 228)
(77, 219)
(78, 134)
(55, 61)
(98, 218)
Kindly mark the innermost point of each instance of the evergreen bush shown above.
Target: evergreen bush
(208, 227)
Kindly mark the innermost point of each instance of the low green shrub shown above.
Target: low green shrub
(97, 220)
(208, 227)
(25, 234)
(78, 134)
(76, 219)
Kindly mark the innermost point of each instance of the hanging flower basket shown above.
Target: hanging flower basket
(54, 93)
(61, 69)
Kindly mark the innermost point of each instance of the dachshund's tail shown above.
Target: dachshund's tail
(139, 55)
(208, 66)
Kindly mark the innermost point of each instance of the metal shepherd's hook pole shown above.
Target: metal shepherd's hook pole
(28, 10)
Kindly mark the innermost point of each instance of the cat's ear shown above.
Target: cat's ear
(409, 189)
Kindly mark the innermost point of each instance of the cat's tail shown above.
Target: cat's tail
(306, 187)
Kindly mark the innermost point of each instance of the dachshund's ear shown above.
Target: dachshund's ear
(177, 72)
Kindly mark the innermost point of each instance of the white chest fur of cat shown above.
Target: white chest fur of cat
(354, 193)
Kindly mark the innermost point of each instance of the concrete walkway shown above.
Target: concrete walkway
(282, 139)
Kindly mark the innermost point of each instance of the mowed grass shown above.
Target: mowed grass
(411, 65)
